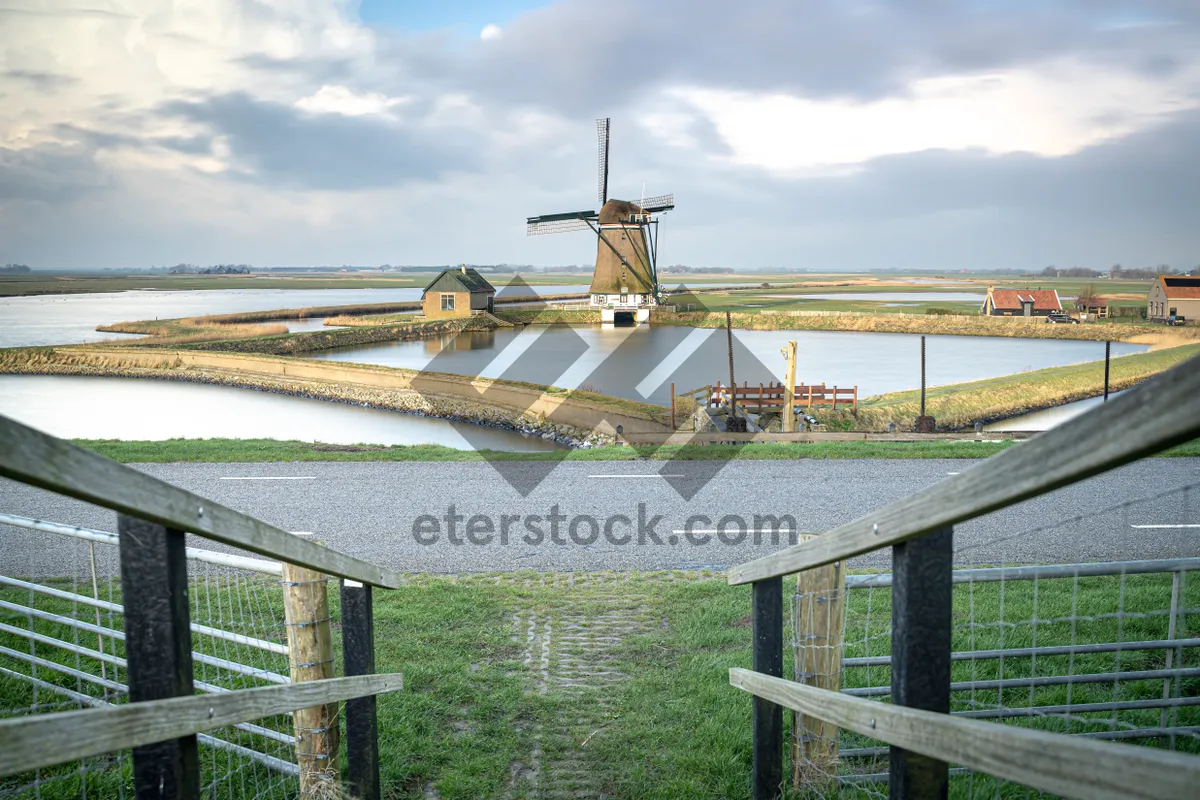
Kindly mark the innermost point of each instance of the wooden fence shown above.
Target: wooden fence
(162, 721)
(923, 736)
(772, 396)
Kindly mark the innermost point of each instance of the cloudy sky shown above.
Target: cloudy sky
(930, 134)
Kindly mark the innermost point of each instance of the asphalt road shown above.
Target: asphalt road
(397, 514)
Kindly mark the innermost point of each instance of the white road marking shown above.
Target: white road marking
(1143, 527)
(655, 475)
(951, 473)
(269, 478)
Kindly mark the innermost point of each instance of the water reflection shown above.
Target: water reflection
(641, 363)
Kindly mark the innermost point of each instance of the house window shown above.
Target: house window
(624, 299)
(447, 302)
(1173, 313)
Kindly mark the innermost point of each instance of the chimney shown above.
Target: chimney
(463, 267)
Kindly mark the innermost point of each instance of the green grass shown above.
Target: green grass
(267, 450)
(674, 728)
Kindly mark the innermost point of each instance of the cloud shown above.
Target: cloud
(852, 134)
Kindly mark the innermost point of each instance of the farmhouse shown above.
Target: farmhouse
(1020, 302)
(1173, 296)
(456, 293)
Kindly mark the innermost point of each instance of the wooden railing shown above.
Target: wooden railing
(917, 725)
(773, 396)
(165, 715)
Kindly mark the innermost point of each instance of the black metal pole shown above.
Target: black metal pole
(922, 376)
(767, 621)
(732, 382)
(158, 647)
(921, 618)
(362, 727)
(1107, 356)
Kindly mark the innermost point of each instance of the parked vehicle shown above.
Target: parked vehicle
(1058, 316)
(1174, 320)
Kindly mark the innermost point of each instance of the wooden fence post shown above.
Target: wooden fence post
(921, 617)
(820, 629)
(789, 389)
(310, 653)
(158, 647)
(767, 624)
(362, 728)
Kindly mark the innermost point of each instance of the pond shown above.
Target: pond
(73, 318)
(641, 363)
(141, 409)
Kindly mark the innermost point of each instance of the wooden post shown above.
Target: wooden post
(1107, 357)
(789, 389)
(835, 398)
(856, 401)
(921, 617)
(158, 647)
(810, 388)
(310, 648)
(362, 728)
(767, 624)
(672, 406)
(820, 623)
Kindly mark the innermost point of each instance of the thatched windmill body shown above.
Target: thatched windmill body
(625, 280)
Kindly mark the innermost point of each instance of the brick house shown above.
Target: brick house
(456, 293)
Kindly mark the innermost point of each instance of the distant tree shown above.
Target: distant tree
(1050, 272)
(1087, 297)
(15, 269)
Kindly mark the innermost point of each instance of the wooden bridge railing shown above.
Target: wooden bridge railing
(164, 716)
(924, 737)
(772, 396)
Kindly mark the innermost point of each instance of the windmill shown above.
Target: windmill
(626, 275)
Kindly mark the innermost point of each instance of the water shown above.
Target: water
(1047, 418)
(641, 363)
(73, 318)
(141, 409)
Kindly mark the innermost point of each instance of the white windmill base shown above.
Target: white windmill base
(609, 315)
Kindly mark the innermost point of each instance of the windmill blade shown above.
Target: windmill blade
(602, 137)
(560, 223)
(659, 204)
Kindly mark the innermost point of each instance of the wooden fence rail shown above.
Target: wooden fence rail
(1160, 413)
(1050, 762)
(36, 458)
(924, 737)
(45, 740)
(772, 396)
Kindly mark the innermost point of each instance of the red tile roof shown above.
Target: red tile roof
(1010, 299)
(1180, 287)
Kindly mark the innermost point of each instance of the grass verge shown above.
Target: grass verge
(267, 450)
(494, 691)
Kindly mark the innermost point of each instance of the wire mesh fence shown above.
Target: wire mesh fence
(62, 647)
(1106, 650)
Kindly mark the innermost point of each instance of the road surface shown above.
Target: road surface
(464, 517)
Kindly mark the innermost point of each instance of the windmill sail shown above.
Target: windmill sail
(560, 223)
(659, 204)
(602, 137)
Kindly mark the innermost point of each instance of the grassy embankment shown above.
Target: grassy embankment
(271, 450)
(959, 406)
(663, 721)
(934, 325)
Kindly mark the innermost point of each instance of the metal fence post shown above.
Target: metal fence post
(921, 617)
(767, 621)
(158, 647)
(362, 732)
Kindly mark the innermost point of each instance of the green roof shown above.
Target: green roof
(460, 280)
